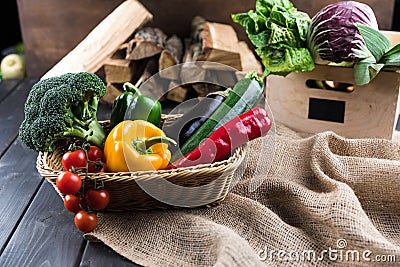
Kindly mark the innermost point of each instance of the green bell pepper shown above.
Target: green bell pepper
(132, 105)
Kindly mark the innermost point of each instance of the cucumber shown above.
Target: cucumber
(182, 128)
(243, 97)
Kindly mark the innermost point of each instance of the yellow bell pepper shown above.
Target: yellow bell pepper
(136, 145)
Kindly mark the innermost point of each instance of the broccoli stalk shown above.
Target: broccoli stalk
(94, 135)
(63, 107)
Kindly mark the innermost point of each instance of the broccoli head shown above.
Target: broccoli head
(63, 107)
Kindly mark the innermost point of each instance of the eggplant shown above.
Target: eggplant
(241, 98)
(183, 127)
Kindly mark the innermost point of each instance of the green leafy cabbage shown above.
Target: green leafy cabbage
(279, 32)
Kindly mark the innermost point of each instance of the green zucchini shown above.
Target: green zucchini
(182, 128)
(243, 97)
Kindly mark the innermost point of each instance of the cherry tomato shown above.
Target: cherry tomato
(95, 154)
(76, 159)
(96, 166)
(85, 222)
(97, 199)
(68, 182)
(74, 203)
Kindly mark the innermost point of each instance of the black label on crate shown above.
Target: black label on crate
(326, 110)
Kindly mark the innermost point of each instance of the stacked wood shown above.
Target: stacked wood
(142, 70)
(212, 42)
(220, 44)
(135, 61)
(124, 49)
(151, 51)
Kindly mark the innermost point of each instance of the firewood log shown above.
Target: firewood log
(151, 88)
(170, 56)
(248, 59)
(190, 72)
(220, 44)
(150, 69)
(215, 42)
(113, 90)
(196, 37)
(172, 53)
(147, 42)
(197, 27)
(118, 70)
(177, 93)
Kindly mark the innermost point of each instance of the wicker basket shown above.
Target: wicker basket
(126, 191)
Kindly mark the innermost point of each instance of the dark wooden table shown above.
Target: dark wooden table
(36, 230)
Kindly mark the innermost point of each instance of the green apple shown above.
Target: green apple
(13, 66)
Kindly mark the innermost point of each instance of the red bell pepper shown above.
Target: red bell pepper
(245, 127)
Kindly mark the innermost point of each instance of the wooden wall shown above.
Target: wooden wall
(51, 28)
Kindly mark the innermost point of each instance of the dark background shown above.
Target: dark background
(10, 33)
(396, 17)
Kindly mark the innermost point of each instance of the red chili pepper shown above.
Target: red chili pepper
(245, 127)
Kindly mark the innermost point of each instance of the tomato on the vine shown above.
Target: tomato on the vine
(74, 203)
(68, 182)
(89, 158)
(95, 153)
(96, 166)
(85, 221)
(96, 158)
(74, 159)
(97, 199)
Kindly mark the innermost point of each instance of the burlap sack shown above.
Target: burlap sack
(324, 200)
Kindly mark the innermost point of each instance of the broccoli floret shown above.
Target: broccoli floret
(63, 107)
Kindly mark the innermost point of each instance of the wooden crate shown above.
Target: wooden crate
(368, 111)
